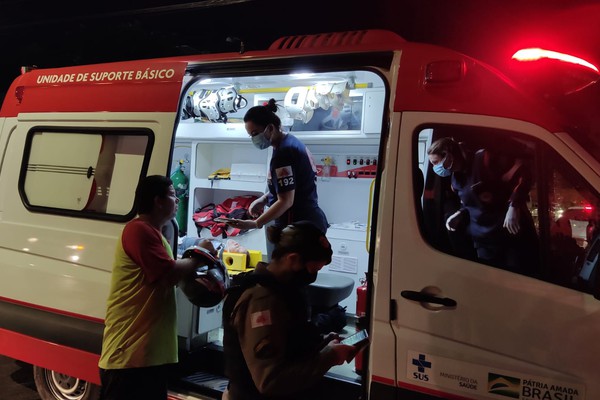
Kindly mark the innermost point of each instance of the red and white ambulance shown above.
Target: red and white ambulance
(75, 141)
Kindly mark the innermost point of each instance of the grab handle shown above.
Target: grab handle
(428, 298)
(369, 211)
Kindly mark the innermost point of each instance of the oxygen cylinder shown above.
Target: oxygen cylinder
(180, 183)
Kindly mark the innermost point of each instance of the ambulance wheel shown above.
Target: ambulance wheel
(52, 385)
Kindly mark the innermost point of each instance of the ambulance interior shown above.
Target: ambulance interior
(338, 116)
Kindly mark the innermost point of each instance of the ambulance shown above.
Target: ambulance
(75, 141)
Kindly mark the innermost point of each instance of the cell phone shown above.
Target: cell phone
(358, 339)
(223, 219)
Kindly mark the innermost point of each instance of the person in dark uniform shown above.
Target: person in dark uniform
(271, 349)
(493, 191)
(292, 178)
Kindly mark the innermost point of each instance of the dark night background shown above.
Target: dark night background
(63, 33)
(53, 34)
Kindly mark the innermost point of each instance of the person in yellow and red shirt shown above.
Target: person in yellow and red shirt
(140, 335)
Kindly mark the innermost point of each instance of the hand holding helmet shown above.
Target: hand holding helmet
(205, 285)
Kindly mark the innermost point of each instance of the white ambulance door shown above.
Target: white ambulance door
(465, 329)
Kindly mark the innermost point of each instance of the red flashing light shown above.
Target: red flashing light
(551, 73)
(19, 91)
(588, 209)
(536, 54)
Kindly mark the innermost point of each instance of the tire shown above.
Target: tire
(52, 385)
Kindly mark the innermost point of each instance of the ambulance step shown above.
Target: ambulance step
(187, 396)
(205, 383)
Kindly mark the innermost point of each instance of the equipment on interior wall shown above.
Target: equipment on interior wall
(361, 316)
(213, 105)
(212, 216)
(180, 184)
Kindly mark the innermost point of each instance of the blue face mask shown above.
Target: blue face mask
(260, 141)
(441, 170)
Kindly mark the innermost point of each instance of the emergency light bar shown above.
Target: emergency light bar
(553, 73)
(535, 54)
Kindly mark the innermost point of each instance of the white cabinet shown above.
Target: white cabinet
(350, 257)
(209, 156)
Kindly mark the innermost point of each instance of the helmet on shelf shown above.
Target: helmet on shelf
(230, 100)
(296, 104)
(208, 106)
(205, 286)
(312, 100)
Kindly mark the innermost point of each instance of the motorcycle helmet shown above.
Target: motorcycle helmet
(205, 286)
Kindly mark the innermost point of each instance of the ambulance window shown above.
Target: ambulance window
(571, 216)
(463, 207)
(559, 216)
(465, 203)
(90, 172)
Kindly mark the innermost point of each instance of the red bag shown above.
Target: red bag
(204, 217)
(233, 207)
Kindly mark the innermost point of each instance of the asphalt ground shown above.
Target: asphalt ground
(16, 380)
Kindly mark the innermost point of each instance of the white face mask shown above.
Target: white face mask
(260, 141)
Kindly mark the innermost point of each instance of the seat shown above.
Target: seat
(329, 289)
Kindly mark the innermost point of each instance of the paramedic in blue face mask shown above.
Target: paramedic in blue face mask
(493, 191)
(292, 194)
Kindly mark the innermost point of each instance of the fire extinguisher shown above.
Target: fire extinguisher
(361, 298)
(361, 319)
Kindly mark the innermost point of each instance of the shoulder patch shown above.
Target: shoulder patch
(284, 172)
(260, 318)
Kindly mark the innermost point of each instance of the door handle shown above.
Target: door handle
(428, 298)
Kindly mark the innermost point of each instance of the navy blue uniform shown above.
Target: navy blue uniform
(486, 190)
(292, 168)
